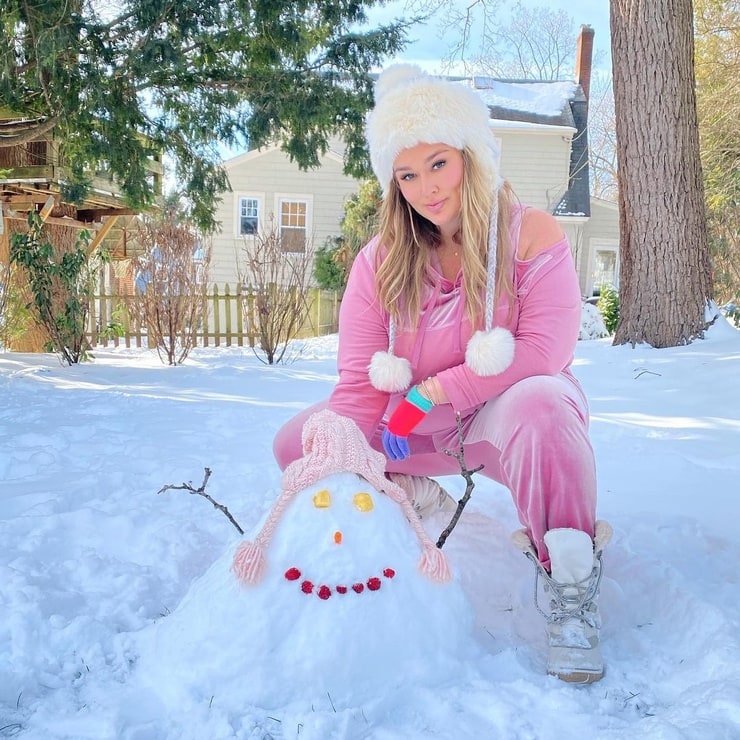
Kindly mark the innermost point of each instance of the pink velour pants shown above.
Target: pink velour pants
(533, 439)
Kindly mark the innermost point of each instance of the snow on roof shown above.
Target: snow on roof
(540, 98)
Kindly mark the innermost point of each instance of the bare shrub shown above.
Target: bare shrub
(171, 278)
(279, 276)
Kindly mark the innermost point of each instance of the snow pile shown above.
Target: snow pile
(338, 614)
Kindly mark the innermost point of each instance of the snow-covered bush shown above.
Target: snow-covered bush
(592, 325)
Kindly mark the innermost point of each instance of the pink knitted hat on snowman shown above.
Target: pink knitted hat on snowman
(334, 444)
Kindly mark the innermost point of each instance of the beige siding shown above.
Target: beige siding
(535, 160)
(601, 232)
(269, 175)
(575, 229)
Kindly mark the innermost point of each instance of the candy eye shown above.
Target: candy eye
(322, 500)
(363, 502)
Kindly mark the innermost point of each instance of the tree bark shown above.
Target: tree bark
(665, 280)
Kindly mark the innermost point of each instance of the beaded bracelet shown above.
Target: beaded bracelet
(427, 393)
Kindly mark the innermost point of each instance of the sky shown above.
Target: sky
(428, 44)
(123, 620)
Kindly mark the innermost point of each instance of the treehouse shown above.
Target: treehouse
(32, 175)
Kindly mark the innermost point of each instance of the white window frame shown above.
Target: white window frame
(307, 200)
(238, 201)
(601, 247)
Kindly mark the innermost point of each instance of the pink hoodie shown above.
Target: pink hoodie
(544, 320)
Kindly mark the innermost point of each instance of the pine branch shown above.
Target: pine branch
(468, 475)
(202, 492)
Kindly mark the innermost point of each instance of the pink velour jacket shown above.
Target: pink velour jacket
(545, 319)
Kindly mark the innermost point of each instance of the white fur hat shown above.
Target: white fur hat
(412, 107)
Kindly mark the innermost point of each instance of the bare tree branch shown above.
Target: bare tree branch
(468, 475)
(172, 273)
(202, 492)
(278, 271)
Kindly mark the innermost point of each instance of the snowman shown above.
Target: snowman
(340, 595)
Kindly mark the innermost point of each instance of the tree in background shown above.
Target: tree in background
(62, 285)
(171, 280)
(119, 83)
(278, 300)
(665, 282)
(13, 312)
(717, 24)
(359, 224)
(602, 139)
(536, 43)
(328, 271)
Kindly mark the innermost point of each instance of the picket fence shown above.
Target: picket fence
(223, 323)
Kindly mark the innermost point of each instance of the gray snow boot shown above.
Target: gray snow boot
(426, 495)
(573, 622)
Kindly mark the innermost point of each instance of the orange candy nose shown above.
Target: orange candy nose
(338, 538)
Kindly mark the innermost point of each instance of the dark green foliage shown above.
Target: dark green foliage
(188, 75)
(328, 270)
(360, 222)
(359, 225)
(62, 287)
(608, 305)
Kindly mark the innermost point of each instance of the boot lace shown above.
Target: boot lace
(569, 600)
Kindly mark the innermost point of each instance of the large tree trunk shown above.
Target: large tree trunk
(665, 281)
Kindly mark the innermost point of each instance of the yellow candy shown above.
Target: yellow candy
(363, 502)
(322, 500)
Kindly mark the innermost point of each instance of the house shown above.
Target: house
(543, 134)
(269, 192)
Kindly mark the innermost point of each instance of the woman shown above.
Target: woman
(468, 303)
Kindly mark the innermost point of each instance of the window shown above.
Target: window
(293, 225)
(249, 209)
(605, 268)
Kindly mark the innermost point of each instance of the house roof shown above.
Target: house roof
(239, 159)
(547, 103)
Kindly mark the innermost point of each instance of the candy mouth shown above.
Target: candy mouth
(324, 591)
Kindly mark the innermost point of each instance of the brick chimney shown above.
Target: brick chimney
(584, 55)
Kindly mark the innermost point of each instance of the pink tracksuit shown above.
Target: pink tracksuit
(527, 426)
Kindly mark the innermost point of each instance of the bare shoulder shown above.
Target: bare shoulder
(539, 231)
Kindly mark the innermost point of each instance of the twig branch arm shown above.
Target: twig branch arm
(202, 492)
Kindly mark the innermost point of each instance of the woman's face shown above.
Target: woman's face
(429, 177)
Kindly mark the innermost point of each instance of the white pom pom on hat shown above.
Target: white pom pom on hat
(490, 352)
(390, 373)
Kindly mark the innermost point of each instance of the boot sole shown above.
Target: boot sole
(579, 677)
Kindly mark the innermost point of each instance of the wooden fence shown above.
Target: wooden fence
(223, 322)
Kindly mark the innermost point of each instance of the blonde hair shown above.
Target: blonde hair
(408, 239)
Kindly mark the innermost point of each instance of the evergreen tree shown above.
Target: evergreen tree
(120, 83)
(359, 225)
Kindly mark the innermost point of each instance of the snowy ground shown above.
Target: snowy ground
(93, 562)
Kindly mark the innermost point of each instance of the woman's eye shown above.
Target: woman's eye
(439, 164)
(406, 178)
